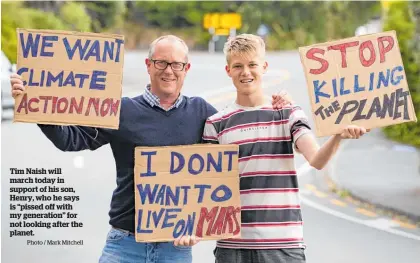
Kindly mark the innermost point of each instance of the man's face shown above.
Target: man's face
(167, 82)
(246, 72)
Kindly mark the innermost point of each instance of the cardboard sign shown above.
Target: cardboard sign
(359, 80)
(186, 190)
(70, 78)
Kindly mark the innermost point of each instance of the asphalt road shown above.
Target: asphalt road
(335, 230)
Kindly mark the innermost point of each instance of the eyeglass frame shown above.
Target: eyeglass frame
(168, 64)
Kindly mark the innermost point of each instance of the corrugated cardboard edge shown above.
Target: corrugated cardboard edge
(66, 124)
(64, 32)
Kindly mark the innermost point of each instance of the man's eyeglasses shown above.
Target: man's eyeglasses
(162, 65)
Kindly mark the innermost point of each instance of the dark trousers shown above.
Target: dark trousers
(284, 255)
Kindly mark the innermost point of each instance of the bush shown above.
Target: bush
(75, 17)
(400, 19)
(14, 15)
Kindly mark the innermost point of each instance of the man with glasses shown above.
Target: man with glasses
(159, 117)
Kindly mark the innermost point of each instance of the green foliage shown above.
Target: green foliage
(75, 17)
(8, 31)
(401, 19)
(106, 15)
(171, 15)
(14, 15)
(292, 24)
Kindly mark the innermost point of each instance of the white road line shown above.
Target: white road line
(379, 223)
(369, 223)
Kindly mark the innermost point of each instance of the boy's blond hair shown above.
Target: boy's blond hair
(244, 44)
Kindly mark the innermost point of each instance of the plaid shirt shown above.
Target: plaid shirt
(154, 100)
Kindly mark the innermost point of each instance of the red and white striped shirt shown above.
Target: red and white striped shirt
(270, 206)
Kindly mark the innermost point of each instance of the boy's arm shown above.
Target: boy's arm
(318, 157)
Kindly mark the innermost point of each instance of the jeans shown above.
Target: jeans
(284, 255)
(121, 247)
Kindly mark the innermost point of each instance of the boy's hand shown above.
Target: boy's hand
(353, 132)
(186, 241)
(281, 100)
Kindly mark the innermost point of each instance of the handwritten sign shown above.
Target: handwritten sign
(70, 78)
(186, 190)
(359, 80)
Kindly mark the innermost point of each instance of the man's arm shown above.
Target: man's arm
(76, 138)
(66, 138)
(210, 133)
(318, 157)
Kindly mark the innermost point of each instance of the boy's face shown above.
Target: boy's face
(246, 72)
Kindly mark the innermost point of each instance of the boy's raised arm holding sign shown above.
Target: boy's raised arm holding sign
(270, 208)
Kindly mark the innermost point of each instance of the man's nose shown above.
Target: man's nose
(169, 70)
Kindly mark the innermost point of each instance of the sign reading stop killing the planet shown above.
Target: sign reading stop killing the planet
(359, 80)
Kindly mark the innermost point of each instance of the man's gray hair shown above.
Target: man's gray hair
(172, 39)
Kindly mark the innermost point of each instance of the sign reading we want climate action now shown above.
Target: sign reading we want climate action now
(186, 190)
(70, 78)
(359, 80)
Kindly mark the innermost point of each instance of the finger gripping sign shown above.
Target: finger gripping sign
(186, 190)
(359, 80)
(70, 78)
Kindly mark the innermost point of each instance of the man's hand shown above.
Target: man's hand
(353, 132)
(17, 85)
(186, 241)
(281, 100)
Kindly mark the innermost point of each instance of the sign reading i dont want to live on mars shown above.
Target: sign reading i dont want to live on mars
(187, 190)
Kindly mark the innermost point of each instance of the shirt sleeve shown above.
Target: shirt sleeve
(76, 138)
(299, 124)
(210, 133)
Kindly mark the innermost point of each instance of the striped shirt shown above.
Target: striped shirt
(270, 206)
(154, 100)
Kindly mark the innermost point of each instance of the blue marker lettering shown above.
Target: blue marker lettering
(78, 45)
(230, 160)
(46, 42)
(149, 164)
(181, 162)
(226, 196)
(317, 90)
(94, 51)
(95, 79)
(30, 45)
(190, 164)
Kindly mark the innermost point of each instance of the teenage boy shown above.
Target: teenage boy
(271, 229)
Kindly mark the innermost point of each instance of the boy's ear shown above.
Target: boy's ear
(265, 66)
(228, 70)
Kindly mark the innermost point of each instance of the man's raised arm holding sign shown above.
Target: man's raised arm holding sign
(71, 138)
